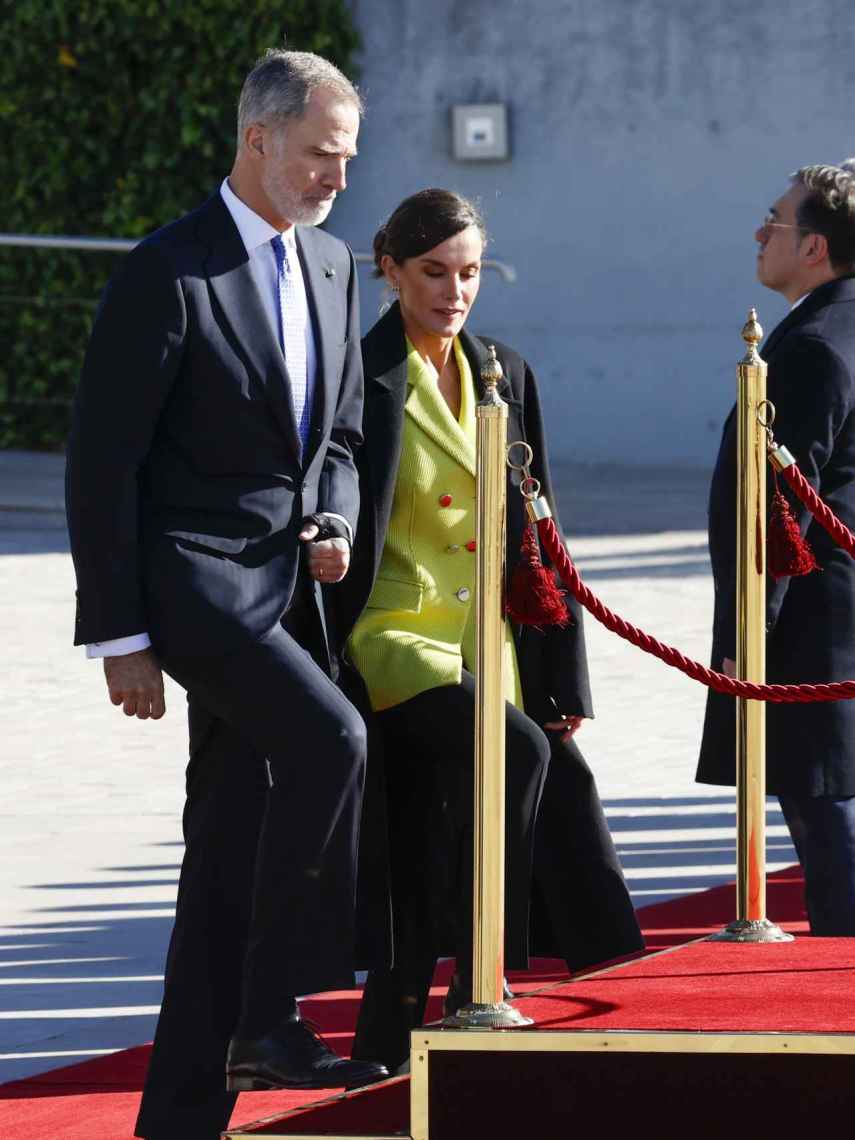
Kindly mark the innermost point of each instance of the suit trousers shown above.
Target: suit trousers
(266, 896)
(428, 758)
(823, 833)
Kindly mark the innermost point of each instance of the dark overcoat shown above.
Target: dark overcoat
(581, 906)
(810, 619)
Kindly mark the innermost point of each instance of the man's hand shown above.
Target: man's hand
(728, 667)
(328, 559)
(567, 726)
(136, 682)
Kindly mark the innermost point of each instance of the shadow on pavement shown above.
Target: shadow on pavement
(85, 985)
(594, 499)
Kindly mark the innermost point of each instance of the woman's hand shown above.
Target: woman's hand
(567, 726)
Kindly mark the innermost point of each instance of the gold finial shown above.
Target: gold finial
(752, 333)
(491, 370)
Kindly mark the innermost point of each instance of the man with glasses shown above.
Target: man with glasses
(806, 252)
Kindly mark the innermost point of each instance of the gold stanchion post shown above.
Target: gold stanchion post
(751, 924)
(487, 1010)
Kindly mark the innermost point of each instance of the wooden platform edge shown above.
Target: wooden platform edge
(249, 1131)
(628, 1041)
(240, 1135)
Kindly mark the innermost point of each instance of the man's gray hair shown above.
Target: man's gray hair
(281, 84)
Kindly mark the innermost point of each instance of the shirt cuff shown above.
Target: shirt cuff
(119, 646)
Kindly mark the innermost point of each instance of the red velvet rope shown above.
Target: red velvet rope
(781, 694)
(826, 518)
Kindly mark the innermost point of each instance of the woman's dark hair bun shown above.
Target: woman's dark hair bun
(423, 221)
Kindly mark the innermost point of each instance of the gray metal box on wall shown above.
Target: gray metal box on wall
(480, 130)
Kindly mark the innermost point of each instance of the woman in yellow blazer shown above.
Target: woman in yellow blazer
(405, 618)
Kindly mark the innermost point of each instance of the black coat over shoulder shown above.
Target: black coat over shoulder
(810, 620)
(581, 910)
(552, 663)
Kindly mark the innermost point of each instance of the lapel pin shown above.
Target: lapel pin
(329, 271)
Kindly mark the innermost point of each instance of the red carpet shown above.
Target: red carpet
(99, 1098)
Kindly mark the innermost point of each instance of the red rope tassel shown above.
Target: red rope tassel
(534, 598)
(790, 555)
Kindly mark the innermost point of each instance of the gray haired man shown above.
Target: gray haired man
(211, 490)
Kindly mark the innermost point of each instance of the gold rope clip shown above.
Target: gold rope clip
(779, 456)
(536, 506)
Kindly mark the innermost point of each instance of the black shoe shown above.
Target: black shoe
(294, 1057)
(460, 994)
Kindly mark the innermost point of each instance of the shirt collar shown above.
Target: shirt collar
(253, 229)
(796, 304)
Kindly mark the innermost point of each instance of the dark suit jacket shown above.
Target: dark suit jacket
(811, 619)
(552, 663)
(185, 480)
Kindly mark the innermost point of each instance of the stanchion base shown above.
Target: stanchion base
(751, 930)
(478, 1015)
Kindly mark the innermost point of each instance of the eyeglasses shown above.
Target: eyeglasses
(769, 223)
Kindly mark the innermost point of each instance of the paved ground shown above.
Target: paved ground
(89, 831)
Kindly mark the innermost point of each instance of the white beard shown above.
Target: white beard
(292, 205)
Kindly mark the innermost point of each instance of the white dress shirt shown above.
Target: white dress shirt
(256, 235)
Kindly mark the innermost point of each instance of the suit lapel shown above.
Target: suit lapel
(780, 330)
(322, 291)
(840, 289)
(385, 396)
(233, 286)
(477, 353)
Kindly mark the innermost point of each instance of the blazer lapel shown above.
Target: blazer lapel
(322, 292)
(427, 407)
(233, 286)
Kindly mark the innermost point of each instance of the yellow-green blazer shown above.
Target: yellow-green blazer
(418, 628)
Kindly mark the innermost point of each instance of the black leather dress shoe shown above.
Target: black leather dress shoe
(460, 994)
(294, 1057)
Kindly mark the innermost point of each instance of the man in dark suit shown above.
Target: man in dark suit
(211, 489)
(807, 253)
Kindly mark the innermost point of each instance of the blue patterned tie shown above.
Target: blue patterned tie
(293, 318)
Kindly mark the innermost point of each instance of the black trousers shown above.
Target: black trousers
(266, 896)
(428, 757)
(823, 833)
(581, 908)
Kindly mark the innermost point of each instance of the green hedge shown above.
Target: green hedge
(116, 116)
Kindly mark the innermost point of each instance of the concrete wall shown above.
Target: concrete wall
(648, 139)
